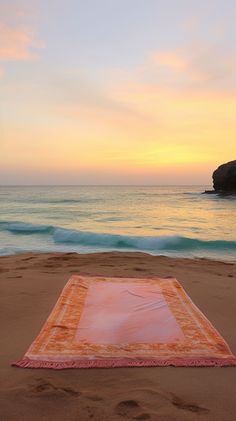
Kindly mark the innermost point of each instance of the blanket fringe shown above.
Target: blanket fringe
(113, 363)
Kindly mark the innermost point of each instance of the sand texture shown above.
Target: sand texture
(30, 285)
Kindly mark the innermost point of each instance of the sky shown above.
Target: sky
(116, 91)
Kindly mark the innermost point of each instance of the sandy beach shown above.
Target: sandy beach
(30, 286)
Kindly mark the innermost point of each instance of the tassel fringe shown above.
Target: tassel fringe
(113, 363)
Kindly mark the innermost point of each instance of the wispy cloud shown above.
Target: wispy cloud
(17, 44)
(79, 97)
(208, 67)
(170, 59)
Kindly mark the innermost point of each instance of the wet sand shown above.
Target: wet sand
(30, 285)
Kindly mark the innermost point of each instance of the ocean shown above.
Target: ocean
(160, 220)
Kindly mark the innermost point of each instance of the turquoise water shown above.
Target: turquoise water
(172, 221)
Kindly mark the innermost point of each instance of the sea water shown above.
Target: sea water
(160, 220)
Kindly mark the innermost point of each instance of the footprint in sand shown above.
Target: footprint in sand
(138, 269)
(49, 265)
(28, 258)
(44, 387)
(188, 406)
(131, 409)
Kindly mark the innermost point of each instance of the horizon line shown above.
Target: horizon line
(102, 185)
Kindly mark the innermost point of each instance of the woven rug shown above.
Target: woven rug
(121, 322)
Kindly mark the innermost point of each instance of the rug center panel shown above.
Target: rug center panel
(125, 313)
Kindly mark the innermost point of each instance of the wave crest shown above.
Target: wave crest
(172, 243)
(115, 241)
(25, 228)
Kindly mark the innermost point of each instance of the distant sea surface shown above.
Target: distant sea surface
(168, 220)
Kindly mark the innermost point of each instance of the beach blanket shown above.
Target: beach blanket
(121, 322)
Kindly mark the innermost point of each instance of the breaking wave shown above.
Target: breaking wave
(117, 242)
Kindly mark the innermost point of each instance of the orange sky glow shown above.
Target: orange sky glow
(167, 115)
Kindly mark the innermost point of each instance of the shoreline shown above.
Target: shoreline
(30, 285)
(122, 252)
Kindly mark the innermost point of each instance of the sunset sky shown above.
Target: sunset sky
(116, 91)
